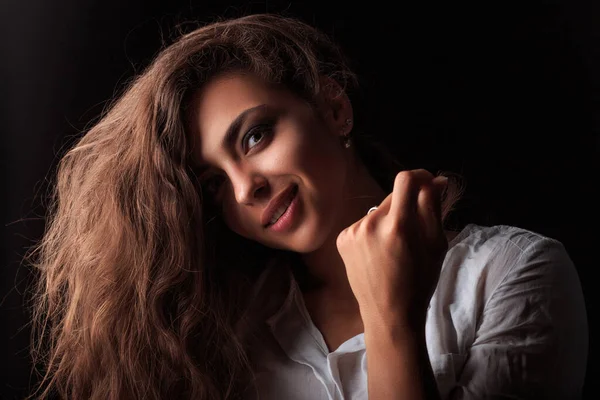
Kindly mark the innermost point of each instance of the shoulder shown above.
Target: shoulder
(490, 254)
(509, 294)
(494, 274)
(507, 279)
(485, 240)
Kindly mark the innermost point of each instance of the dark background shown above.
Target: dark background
(505, 94)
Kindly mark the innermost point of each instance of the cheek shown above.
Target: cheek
(233, 217)
(236, 225)
(321, 159)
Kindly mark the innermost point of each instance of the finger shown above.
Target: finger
(381, 210)
(407, 185)
(429, 211)
(384, 207)
(440, 184)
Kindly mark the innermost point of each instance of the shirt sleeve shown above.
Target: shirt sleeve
(532, 337)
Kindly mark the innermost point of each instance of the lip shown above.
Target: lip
(274, 205)
(287, 220)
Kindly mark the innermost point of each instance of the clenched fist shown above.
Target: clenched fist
(393, 255)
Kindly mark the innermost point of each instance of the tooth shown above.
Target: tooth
(282, 209)
(278, 214)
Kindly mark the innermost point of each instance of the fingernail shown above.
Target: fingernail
(443, 183)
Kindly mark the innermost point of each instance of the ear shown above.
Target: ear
(335, 106)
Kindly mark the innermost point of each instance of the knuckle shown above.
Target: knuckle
(341, 239)
(426, 173)
(426, 189)
(390, 231)
(369, 225)
(399, 227)
(428, 194)
(352, 234)
(404, 177)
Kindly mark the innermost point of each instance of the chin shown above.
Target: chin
(308, 238)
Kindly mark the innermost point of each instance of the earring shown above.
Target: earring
(346, 140)
(346, 137)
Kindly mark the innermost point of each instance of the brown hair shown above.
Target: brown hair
(130, 302)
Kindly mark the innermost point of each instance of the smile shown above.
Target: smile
(284, 215)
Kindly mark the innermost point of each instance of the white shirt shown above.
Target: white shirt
(507, 320)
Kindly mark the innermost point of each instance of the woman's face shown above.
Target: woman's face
(254, 142)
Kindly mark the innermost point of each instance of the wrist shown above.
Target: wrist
(395, 326)
(409, 319)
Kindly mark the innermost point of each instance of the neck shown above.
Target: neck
(322, 272)
(324, 268)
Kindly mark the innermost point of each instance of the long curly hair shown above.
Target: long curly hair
(138, 294)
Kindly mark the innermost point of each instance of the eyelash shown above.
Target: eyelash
(264, 129)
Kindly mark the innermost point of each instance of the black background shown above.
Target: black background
(505, 94)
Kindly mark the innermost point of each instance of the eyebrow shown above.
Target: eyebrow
(233, 130)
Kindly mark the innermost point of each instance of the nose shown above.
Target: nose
(248, 187)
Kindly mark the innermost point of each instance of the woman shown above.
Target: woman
(225, 231)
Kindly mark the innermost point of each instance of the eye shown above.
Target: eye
(256, 135)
